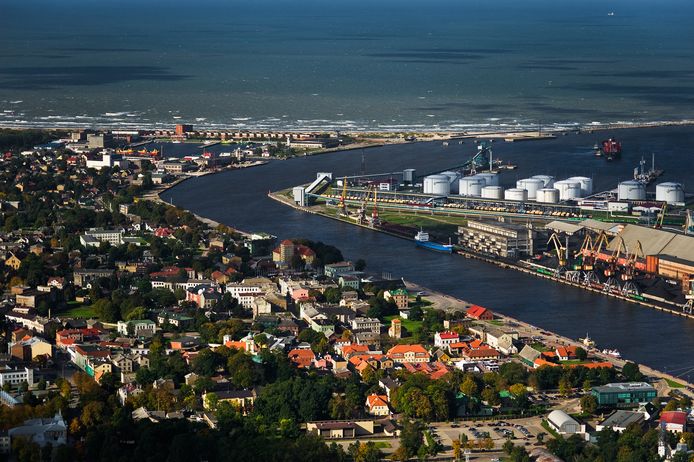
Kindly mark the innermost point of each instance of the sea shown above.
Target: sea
(384, 65)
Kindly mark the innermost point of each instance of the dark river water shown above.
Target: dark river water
(238, 198)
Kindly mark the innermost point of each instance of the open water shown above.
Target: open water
(345, 64)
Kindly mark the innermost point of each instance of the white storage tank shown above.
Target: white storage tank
(492, 192)
(568, 189)
(492, 179)
(586, 184)
(531, 185)
(430, 180)
(547, 180)
(440, 185)
(547, 195)
(471, 186)
(631, 190)
(516, 194)
(453, 178)
(672, 193)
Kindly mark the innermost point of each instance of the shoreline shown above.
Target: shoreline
(556, 339)
(385, 136)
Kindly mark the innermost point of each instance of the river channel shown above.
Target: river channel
(238, 198)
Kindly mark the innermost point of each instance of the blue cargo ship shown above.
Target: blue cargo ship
(422, 240)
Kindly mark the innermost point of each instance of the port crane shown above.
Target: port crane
(661, 217)
(342, 205)
(614, 259)
(560, 250)
(375, 220)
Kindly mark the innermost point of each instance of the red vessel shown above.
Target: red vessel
(611, 148)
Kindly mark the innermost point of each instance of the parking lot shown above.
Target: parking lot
(522, 432)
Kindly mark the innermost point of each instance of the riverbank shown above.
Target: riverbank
(663, 306)
(449, 303)
(154, 194)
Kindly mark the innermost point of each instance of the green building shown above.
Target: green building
(624, 394)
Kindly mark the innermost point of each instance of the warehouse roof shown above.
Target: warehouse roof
(656, 242)
(596, 225)
(559, 418)
(622, 419)
(563, 227)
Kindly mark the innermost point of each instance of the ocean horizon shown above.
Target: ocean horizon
(359, 65)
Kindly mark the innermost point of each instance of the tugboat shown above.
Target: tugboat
(422, 240)
(613, 353)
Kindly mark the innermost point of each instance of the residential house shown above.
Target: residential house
(42, 432)
(409, 354)
(370, 324)
(674, 421)
(502, 340)
(137, 328)
(302, 358)
(15, 376)
(241, 399)
(398, 296)
(480, 313)
(30, 348)
(445, 338)
(334, 270)
(377, 405)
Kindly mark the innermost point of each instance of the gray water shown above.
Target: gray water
(344, 64)
(238, 198)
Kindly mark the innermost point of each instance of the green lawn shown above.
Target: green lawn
(382, 444)
(496, 322)
(539, 347)
(546, 426)
(571, 361)
(75, 310)
(410, 325)
(673, 384)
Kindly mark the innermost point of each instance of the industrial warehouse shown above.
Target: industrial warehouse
(623, 242)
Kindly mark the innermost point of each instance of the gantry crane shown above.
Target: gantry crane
(614, 259)
(661, 217)
(586, 253)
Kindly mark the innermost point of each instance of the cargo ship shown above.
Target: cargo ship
(422, 240)
(610, 149)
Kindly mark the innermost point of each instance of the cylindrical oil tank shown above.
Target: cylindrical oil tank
(631, 190)
(568, 189)
(516, 194)
(586, 184)
(440, 185)
(453, 178)
(492, 192)
(547, 195)
(672, 193)
(492, 179)
(471, 186)
(531, 185)
(547, 180)
(408, 175)
(430, 180)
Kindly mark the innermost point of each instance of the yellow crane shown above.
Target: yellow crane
(559, 248)
(586, 253)
(342, 206)
(659, 221)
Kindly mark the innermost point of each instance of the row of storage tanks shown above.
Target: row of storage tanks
(632, 190)
(541, 188)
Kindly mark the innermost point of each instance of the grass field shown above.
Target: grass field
(673, 384)
(410, 325)
(75, 310)
(382, 444)
(433, 223)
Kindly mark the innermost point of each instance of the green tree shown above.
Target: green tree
(581, 354)
(589, 404)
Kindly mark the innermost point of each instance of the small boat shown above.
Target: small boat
(422, 240)
(613, 353)
(611, 13)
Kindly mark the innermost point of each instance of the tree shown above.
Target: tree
(564, 386)
(360, 265)
(469, 386)
(410, 438)
(581, 354)
(518, 390)
(631, 372)
(589, 404)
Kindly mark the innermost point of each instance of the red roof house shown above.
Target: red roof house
(479, 312)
